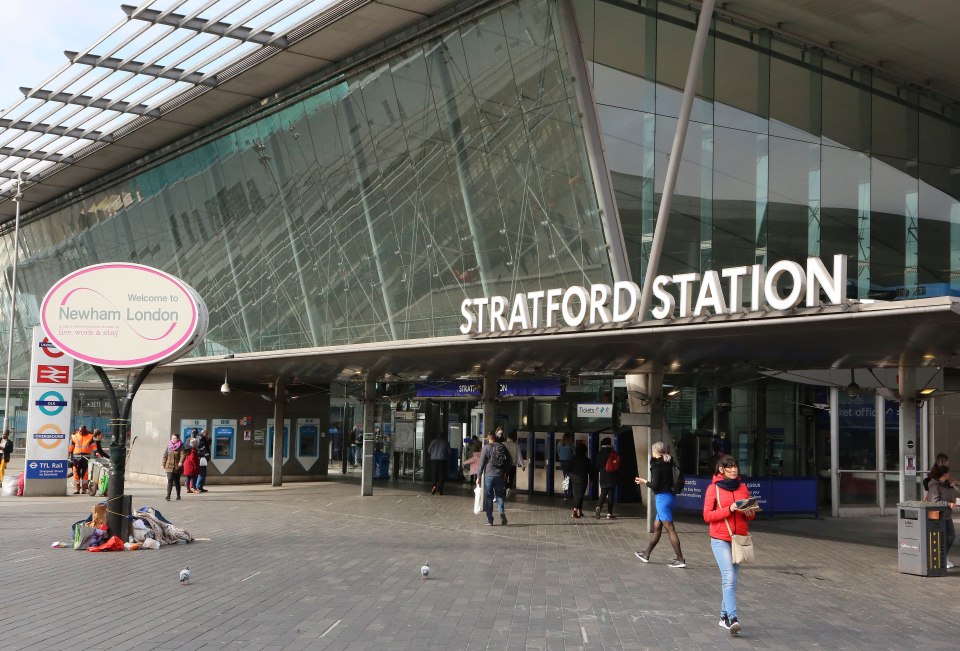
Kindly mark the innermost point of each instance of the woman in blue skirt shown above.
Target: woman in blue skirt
(661, 483)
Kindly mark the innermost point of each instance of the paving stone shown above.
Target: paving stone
(315, 566)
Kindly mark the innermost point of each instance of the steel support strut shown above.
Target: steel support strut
(676, 154)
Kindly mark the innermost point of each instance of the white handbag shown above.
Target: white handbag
(741, 547)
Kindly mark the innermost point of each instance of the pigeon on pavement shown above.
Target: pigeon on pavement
(185, 575)
(425, 571)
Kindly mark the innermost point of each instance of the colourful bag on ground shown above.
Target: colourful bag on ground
(82, 533)
(112, 545)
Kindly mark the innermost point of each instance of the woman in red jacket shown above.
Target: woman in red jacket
(191, 467)
(720, 510)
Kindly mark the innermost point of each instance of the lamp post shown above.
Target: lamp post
(13, 301)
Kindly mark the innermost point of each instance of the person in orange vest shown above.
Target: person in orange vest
(81, 447)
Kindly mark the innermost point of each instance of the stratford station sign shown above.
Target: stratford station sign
(783, 286)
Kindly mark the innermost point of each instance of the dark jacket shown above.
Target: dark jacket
(580, 469)
(606, 479)
(486, 467)
(7, 449)
(661, 476)
(203, 447)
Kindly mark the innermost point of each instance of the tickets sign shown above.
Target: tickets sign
(120, 315)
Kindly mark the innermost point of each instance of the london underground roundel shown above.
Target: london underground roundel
(123, 315)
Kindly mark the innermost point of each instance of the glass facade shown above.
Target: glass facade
(365, 209)
(789, 154)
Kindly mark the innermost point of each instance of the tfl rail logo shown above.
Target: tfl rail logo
(49, 349)
(51, 403)
(50, 374)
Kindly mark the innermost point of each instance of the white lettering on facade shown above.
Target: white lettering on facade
(786, 285)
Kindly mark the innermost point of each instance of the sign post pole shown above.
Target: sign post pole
(118, 509)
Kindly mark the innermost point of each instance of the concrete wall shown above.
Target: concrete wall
(163, 402)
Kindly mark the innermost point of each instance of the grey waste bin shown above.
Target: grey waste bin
(922, 538)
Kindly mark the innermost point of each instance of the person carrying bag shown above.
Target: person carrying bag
(727, 507)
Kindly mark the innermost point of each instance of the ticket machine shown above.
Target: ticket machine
(540, 462)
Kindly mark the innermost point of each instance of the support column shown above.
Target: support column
(645, 396)
(593, 139)
(908, 430)
(490, 394)
(879, 426)
(276, 478)
(369, 417)
(834, 452)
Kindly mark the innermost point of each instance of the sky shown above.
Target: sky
(36, 32)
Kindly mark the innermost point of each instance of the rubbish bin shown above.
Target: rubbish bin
(381, 465)
(922, 538)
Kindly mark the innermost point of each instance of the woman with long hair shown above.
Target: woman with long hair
(726, 519)
(661, 483)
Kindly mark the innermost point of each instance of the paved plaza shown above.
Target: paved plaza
(315, 566)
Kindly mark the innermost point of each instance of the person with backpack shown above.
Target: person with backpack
(492, 469)
(608, 472)
(666, 482)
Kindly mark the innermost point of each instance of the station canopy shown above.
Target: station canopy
(918, 333)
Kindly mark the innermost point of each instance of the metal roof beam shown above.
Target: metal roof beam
(55, 129)
(139, 68)
(36, 155)
(10, 174)
(206, 27)
(101, 103)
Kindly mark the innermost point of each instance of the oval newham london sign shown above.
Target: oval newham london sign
(123, 315)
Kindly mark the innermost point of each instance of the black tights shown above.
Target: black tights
(173, 480)
(658, 528)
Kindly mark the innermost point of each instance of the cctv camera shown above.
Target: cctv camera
(225, 389)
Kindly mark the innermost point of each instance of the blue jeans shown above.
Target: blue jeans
(728, 576)
(492, 487)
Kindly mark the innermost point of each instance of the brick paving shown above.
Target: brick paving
(315, 566)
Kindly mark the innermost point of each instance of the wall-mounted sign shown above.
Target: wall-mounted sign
(259, 438)
(123, 315)
(513, 388)
(224, 443)
(285, 450)
(529, 388)
(188, 425)
(594, 410)
(696, 295)
(308, 441)
(48, 418)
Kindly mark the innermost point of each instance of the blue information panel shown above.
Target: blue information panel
(776, 495)
(46, 469)
(223, 438)
(506, 388)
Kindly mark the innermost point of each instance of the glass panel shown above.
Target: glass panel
(794, 198)
(365, 209)
(858, 449)
(845, 199)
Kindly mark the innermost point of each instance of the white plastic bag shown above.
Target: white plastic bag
(150, 543)
(478, 500)
(9, 486)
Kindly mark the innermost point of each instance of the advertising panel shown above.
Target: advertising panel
(308, 441)
(224, 443)
(48, 418)
(123, 315)
(268, 449)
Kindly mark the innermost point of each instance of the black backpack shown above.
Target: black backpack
(499, 456)
(678, 480)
